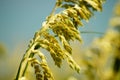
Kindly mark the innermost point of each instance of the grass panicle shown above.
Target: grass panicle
(64, 26)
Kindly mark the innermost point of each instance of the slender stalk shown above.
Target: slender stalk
(21, 63)
(19, 69)
(31, 55)
(92, 32)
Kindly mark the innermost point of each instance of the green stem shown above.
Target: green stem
(92, 32)
(26, 55)
(19, 69)
(31, 56)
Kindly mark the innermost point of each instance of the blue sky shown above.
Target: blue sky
(19, 19)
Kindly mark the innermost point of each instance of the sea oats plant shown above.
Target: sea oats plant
(101, 61)
(55, 36)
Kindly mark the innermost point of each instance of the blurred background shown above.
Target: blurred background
(20, 19)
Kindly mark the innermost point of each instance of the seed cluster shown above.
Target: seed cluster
(57, 32)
